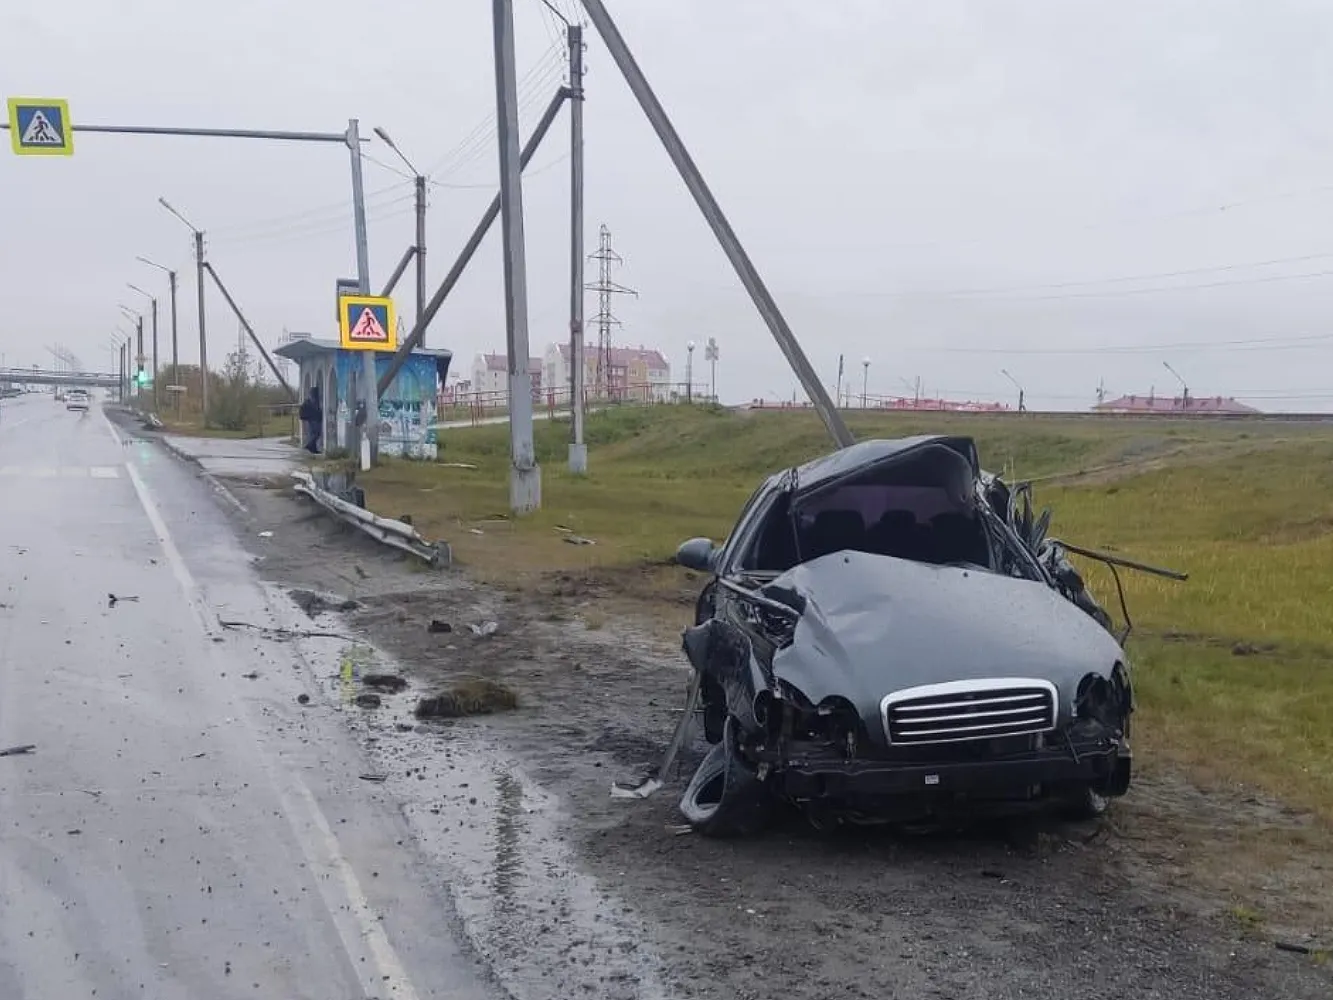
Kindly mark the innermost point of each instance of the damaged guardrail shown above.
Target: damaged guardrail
(398, 534)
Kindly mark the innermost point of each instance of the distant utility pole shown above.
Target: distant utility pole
(199, 286)
(1021, 394)
(175, 355)
(605, 319)
(710, 355)
(689, 372)
(1186, 389)
(153, 299)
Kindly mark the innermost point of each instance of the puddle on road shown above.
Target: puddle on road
(548, 931)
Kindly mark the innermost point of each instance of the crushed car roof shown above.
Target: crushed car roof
(864, 454)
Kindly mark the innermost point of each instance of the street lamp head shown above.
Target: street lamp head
(167, 205)
(133, 286)
(384, 137)
(153, 263)
(689, 346)
(865, 362)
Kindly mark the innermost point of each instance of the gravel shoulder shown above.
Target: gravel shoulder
(1160, 900)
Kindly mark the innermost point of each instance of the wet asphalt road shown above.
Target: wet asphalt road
(181, 830)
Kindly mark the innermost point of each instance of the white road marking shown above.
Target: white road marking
(315, 836)
(59, 472)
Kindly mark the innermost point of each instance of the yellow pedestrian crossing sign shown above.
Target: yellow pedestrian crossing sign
(366, 323)
(40, 126)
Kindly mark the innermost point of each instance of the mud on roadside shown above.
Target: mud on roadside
(1152, 903)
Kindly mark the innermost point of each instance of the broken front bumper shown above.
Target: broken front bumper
(824, 773)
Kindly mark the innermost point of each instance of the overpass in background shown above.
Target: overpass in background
(46, 376)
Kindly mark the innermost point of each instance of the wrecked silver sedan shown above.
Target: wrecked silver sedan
(888, 636)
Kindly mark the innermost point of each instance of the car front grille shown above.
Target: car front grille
(969, 710)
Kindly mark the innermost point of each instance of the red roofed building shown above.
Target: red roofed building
(1177, 405)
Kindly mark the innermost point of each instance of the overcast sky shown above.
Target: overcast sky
(944, 188)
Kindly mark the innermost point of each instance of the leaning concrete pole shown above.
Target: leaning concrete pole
(731, 244)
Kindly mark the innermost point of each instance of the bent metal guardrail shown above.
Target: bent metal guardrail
(399, 534)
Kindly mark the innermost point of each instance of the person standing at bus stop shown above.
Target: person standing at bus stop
(312, 416)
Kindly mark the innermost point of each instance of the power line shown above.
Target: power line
(1251, 343)
(1155, 217)
(1005, 290)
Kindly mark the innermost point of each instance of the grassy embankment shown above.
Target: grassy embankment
(1234, 666)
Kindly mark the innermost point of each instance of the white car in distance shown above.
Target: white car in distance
(76, 399)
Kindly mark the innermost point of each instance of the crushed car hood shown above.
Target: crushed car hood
(875, 624)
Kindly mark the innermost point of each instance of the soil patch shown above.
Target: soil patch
(1180, 894)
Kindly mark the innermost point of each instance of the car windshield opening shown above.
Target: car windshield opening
(918, 506)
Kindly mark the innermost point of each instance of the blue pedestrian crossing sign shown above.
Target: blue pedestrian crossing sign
(367, 323)
(40, 126)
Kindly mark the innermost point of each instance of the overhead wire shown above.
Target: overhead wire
(331, 214)
(537, 74)
(1119, 279)
(1246, 344)
(535, 92)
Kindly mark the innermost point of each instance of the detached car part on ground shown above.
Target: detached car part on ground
(889, 636)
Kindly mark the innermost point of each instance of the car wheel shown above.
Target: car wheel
(1085, 804)
(725, 798)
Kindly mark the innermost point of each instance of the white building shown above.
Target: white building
(636, 372)
(490, 374)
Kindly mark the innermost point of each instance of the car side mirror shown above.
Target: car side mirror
(696, 554)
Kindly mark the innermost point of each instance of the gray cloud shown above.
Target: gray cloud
(877, 157)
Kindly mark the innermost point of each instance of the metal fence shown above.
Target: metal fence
(479, 407)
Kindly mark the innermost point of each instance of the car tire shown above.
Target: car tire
(1086, 804)
(725, 798)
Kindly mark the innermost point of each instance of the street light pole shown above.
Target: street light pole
(175, 357)
(865, 380)
(199, 284)
(419, 251)
(689, 372)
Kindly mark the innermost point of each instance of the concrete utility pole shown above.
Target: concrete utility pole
(525, 482)
(726, 236)
(175, 357)
(578, 450)
(370, 428)
(153, 299)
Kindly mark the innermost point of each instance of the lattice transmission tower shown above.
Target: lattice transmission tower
(605, 319)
